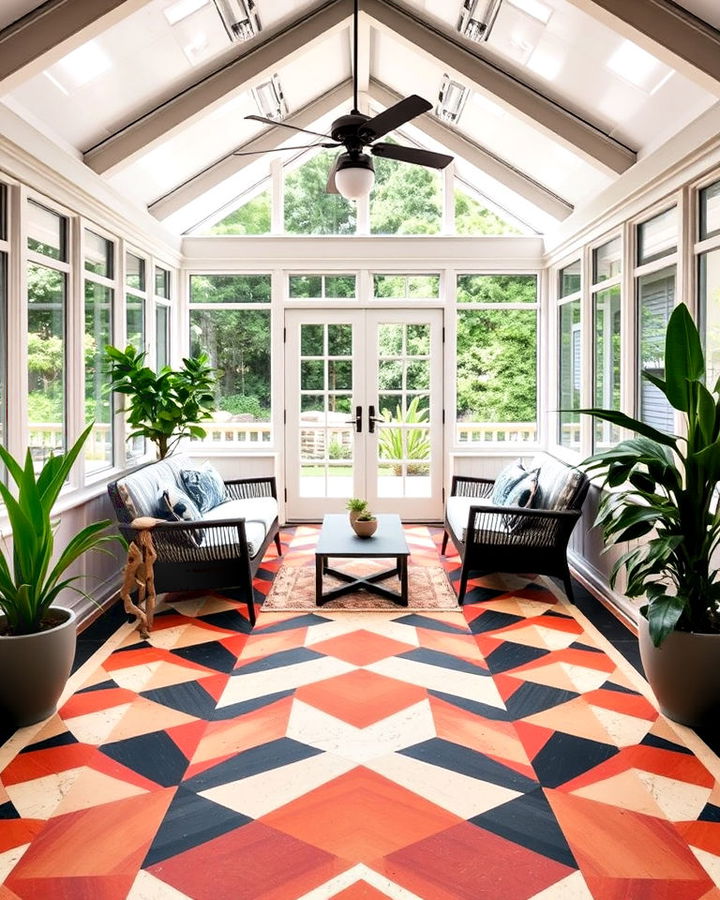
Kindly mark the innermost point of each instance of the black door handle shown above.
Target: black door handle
(372, 419)
(357, 421)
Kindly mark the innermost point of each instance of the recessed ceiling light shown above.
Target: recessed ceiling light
(181, 9)
(239, 18)
(534, 8)
(477, 18)
(638, 67)
(85, 63)
(270, 99)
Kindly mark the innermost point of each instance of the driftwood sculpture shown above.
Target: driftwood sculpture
(138, 574)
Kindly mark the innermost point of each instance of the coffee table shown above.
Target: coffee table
(338, 539)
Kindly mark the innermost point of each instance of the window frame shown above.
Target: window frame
(599, 286)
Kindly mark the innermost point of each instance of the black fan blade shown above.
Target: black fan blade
(412, 155)
(280, 149)
(395, 116)
(330, 186)
(285, 125)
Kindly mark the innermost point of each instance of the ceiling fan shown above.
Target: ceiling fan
(352, 174)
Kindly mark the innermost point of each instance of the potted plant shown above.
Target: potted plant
(163, 406)
(365, 525)
(662, 487)
(356, 507)
(37, 638)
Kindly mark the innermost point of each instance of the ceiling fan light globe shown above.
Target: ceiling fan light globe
(354, 183)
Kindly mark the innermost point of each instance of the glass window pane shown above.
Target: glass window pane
(230, 288)
(656, 297)
(400, 287)
(305, 287)
(496, 377)
(312, 340)
(472, 217)
(3, 212)
(569, 375)
(98, 254)
(238, 344)
(607, 260)
(658, 236)
(339, 340)
(253, 217)
(606, 328)
(3, 348)
(569, 279)
(405, 199)
(340, 287)
(710, 211)
(98, 406)
(46, 361)
(710, 313)
(162, 282)
(308, 208)
(134, 272)
(162, 335)
(47, 232)
(497, 289)
(135, 321)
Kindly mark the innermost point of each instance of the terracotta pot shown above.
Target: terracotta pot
(352, 515)
(34, 669)
(684, 673)
(365, 529)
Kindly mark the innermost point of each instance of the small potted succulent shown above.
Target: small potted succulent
(356, 507)
(365, 525)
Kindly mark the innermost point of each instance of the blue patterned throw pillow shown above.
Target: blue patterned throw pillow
(506, 481)
(205, 487)
(521, 494)
(178, 507)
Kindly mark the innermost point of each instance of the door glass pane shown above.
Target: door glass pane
(98, 334)
(569, 375)
(403, 442)
(46, 361)
(606, 328)
(656, 298)
(326, 436)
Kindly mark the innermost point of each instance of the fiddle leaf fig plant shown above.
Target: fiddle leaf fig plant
(663, 487)
(29, 581)
(163, 406)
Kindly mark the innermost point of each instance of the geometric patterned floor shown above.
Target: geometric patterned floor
(504, 751)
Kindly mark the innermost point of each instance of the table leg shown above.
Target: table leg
(403, 571)
(320, 566)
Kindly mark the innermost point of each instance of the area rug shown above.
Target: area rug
(294, 589)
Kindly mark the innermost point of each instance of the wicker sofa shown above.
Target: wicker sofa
(516, 539)
(221, 550)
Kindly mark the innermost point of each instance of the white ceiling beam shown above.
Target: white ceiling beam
(201, 98)
(50, 32)
(225, 168)
(666, 30)
(482, 159)
(573, 132)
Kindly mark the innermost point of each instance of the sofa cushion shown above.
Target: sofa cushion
(558, 484)
(141, 491)
(205, 486)
(178, 507)
(457, 510)
(259, 514)
(523, 493)
(506, 481)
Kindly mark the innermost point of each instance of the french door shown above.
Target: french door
(363, 400)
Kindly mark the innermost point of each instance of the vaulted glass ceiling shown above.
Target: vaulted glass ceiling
(562, 98)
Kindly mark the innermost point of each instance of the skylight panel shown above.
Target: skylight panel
(181, 9)
(639, 67)
(85, 63)
(534, 8)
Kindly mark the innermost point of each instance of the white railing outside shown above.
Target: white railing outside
(495, 432)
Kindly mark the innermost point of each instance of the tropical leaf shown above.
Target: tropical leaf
(663, 613)
(624, 421)
(684, 360)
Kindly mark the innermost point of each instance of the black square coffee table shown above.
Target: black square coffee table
(337, 538)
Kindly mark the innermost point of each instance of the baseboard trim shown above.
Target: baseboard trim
(595, 583)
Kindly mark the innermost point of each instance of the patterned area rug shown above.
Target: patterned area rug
(294, 589)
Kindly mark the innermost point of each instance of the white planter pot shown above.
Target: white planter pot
(34, 669)
(684, 673)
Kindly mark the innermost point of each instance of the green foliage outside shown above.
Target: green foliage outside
(308, 208)
(252, 217)
(471, 217)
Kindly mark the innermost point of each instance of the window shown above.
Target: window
(162, 317)
(230, 321)
(308, 208)
(655, 290)
(472, 217)
(99, 255)
(47, 274)
(322, 287)
(4, 249)
(570, 356)
(709, 280)
(606, 305)
(496, 381)
(406, 287)
(406, 199)
(253, 217)
(135, 301)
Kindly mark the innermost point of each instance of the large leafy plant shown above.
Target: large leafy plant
(163, 406)
(663, 485)
(417, 440)
(30, 582)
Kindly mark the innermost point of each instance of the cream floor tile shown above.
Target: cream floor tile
(679, 801)
(462, 684)
(9, 859)
(260, 794)
(95, 728)
(709, 862)
(403, 729)
(626, 731)
(148, 887)
(571, 888)
(356, 875)
(346, 623)
(92, 788)
(37, 799)
(459, 794)
(257, 684)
